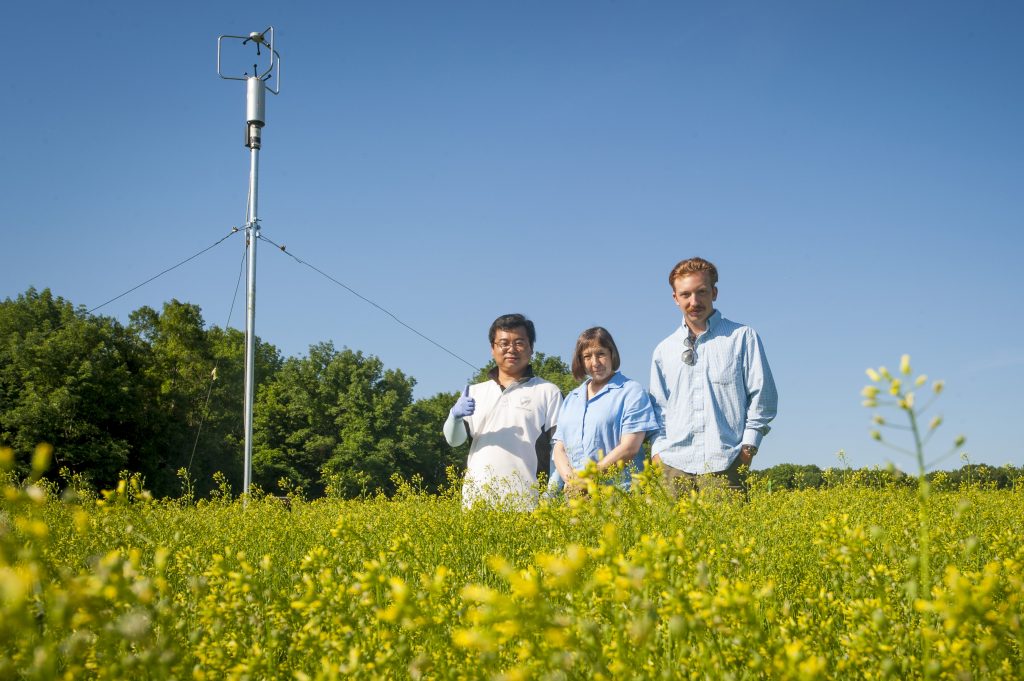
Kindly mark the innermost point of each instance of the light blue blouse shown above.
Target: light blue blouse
(590, 428)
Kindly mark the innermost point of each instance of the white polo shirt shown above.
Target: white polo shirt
(507, 427)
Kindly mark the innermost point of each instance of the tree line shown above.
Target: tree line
(163, 393)
(788, 476)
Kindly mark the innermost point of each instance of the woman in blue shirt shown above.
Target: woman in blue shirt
(605, 419)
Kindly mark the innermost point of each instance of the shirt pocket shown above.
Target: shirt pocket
(724, 371)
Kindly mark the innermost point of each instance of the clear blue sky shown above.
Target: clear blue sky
(855, 170)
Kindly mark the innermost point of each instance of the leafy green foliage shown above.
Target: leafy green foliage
(194, 378)
(68, 379)
(339, 414)
(165, 394)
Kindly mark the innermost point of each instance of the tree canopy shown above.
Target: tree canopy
(164, 393)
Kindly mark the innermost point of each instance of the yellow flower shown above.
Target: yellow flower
(885, 372)
(905, 365)
(474, 639)
(873, 375)
(921, 380)
(935, 423)
(894, 389)
(938, 386)
(959, 441)
(870, 392)
(41, 459)
(876, 435)
(877, 418)
(869, 403)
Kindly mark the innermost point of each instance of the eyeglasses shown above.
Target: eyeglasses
(505, 345)
(689, 354)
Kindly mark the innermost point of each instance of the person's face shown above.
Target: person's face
(512, 351)
(597, 361)
(695, 296)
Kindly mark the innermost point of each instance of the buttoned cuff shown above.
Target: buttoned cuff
(752, 438)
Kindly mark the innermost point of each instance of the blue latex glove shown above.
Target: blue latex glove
(465, 406)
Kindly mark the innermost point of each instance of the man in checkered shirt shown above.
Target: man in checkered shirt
(711, 386)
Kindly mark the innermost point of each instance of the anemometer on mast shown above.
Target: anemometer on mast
(256, 86)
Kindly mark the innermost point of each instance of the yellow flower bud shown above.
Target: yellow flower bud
(909, 399)
(959, 441)
(869, 403)
(870, 392)
(921, 380)
(873, 375)
(894, 388)
(905, 365)
(885, 372)
(875, 435)
(41, 459)
(877, 418)
(938, 386)
(935, 423)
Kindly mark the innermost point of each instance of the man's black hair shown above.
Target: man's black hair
(508, 322)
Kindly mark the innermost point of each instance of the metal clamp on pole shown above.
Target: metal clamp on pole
(256, 85)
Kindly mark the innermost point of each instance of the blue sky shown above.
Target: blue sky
(853, 168)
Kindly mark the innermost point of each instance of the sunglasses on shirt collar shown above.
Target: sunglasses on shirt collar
(690, 353)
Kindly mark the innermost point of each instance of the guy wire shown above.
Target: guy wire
(213, 374)
(367, 300)
(169, 269)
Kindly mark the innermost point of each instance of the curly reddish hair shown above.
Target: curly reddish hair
(692, 266)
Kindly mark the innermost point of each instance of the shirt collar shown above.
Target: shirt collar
(527, 375)
(713, 320)
(616, 381)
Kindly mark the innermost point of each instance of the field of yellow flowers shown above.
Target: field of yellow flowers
(790, 585)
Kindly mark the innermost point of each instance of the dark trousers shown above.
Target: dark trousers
(681, 481)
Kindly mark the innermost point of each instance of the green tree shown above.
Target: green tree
(424, 421)
(793, 476)
(195, 377)
(71, 380)
(335, 416)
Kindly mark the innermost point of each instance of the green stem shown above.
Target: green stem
(923, 489)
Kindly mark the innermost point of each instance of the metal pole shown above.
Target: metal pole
(256, 88)
(252, 233)
(255, 107)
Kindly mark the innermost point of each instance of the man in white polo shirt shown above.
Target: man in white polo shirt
(510, 418)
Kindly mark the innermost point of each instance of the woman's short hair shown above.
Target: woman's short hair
(597, 335)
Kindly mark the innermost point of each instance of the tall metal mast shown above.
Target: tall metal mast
(256, 86)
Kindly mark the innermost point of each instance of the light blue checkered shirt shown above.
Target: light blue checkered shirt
(707, 411)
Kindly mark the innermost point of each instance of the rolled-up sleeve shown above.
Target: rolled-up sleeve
(637, 411)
